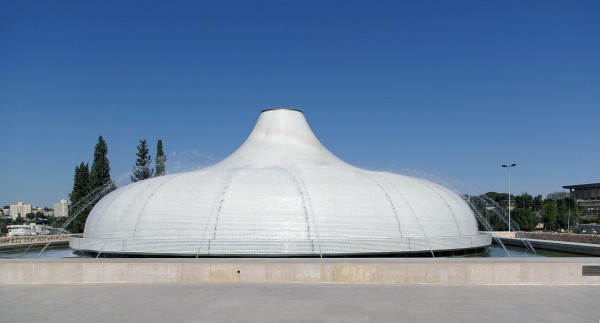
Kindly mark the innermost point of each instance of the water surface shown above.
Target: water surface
(493, 251)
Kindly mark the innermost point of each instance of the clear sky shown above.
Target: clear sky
(447, 89)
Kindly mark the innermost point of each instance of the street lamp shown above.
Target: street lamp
(509, 166)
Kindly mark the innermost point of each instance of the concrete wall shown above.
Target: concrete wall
(540, 235)
(563, 246)
(569, 237)
(447, 271)
(16, 245)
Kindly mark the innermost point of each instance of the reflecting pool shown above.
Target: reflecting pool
(493, 251)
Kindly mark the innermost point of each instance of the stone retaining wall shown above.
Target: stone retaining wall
(568, 237)
(503, 234)
(33, 239)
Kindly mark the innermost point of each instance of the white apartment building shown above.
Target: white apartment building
(61, 208)
(20, 209)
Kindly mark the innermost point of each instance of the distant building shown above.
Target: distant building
(587, 196)
(6, 210)
(20, 209)
(26, 230)
(61, 208)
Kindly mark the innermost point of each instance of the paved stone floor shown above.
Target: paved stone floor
(296, 303)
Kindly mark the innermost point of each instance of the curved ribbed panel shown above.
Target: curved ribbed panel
(281, 193)
(370, 214)
(252, 210)
(181, 214)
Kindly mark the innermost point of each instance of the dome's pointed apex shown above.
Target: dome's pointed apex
(281, 136)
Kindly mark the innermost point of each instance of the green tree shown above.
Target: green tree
(497, 223)
(538, 202)
(524, 201)
(39, 217)
(557, 196)
(3, 227)
(573, 208)
(562, 213)
(56, 222)
(100, 172)
(550, 214)
(142, 169)
(99, 184)
(79, 197)
(160, 159)
(525, 218)
(500, 198)
(30, 216)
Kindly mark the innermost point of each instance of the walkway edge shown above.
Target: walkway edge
(447, 271)
(564, 246)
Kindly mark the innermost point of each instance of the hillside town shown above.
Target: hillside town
(25, 219)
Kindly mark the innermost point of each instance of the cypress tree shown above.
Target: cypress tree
(160, 159)
(100, 182)
(89, 186)
(142, 169)
(78, 196)
(100, 172)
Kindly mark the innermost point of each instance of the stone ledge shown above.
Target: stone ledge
(25, 245)
(461, 271)
(563, 246)
(567, 237)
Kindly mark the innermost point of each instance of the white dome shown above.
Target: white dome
(281, 193)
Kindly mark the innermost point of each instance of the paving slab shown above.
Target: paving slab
(300, 302)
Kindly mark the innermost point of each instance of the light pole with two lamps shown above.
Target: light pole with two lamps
(509, 166)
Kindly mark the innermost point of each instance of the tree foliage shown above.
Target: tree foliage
(524, 201)
(558, 211)
(142, 169)
(161, 159)
(80, 192)
(500, 198)
(39, 217)
(89, 186)
(573, 208)
(100, 181)
(81, 183)
(550, 215)
(525, 218)
(538, 202)
(3, 227)
(557, 196)
(100, 172)
(562, 210)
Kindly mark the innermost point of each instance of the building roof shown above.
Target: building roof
(582, 186)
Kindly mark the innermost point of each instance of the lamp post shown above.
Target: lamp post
(509, 166)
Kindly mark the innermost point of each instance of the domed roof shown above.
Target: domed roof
(281, 193)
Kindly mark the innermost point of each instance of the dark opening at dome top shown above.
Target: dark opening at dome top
(291, 109)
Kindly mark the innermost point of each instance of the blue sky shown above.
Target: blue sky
(448, 89)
